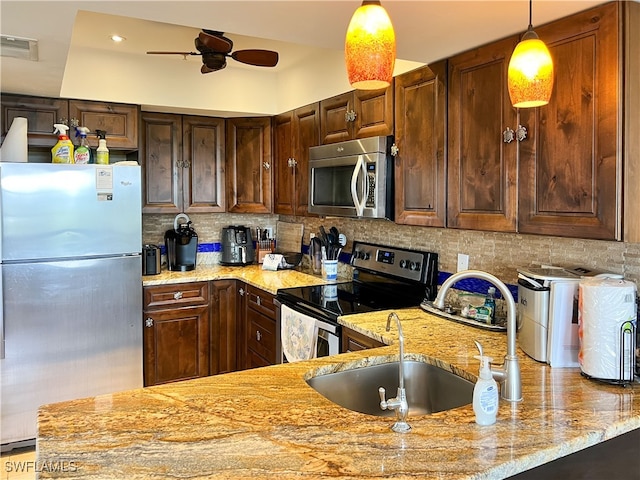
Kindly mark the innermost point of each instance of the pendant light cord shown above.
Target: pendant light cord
(530, 14)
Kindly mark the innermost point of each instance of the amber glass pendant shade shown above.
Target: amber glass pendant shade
(530, 75)
(370, 47)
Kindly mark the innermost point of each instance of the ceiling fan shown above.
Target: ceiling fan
(214, 48)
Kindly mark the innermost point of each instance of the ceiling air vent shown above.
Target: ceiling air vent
(18, 47)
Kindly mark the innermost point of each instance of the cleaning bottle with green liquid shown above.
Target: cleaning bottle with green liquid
(62, 151)
(102, 152)
(82, 154)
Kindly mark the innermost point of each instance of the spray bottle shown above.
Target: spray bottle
(485, 392)
(62, 151)
(102, 153)
(83, 152)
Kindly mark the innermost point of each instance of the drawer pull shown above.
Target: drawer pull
(258, 335)
(177, 295)
(258, 301)
(148, 322)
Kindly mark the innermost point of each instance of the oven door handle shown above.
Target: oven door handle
(324, 325)
(359, 203)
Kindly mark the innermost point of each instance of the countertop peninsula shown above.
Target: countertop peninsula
(268, 423)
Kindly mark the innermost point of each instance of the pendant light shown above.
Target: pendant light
(370, 47)
(530, 77)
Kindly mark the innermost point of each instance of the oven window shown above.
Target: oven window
(332, 186)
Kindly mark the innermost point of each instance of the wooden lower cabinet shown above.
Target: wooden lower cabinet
(199, 329)
(224, 327)
(353, 341)
(260, 332)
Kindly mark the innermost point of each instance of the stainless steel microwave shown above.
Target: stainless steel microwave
(352, 178)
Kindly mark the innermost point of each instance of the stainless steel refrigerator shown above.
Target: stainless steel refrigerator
(70, 317)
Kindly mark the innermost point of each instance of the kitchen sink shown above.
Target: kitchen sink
(429, 388)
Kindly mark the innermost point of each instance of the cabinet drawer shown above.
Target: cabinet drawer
(261, 336)
(176, 295)
(261, 301)
(353, 341)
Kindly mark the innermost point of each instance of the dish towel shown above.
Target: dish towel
(299, 335)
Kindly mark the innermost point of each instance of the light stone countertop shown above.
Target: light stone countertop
(268, 423)
(268, 280)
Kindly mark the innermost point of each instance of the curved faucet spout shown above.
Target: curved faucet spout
(509, 374)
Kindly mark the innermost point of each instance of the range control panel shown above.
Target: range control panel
(399, 262)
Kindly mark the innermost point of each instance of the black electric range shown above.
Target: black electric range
(384, 278)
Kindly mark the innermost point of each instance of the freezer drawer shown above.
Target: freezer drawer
(72, 329)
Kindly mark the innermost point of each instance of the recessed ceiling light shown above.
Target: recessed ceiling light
(117, 38)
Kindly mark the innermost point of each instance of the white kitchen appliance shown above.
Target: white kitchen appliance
(607, 324)
(71, 293)
(548, 313)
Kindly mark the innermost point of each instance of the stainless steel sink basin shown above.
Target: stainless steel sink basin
(430, 389)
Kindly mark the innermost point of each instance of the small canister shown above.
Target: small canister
(150, 259)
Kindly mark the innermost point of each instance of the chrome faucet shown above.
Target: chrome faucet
(399, 403)
(508, 375)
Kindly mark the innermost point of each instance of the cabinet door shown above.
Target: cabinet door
(119, 120)
(203, 181)
(241, 322)
(224, 332)
(420, 112)
(335, 125)
(570, 166)
(176, 344)
(261, 339)
(374, 112)
(249, 165)
(482, 169)
(283, 176)
(353, 341)
(41, 113)
(160, 150)
(306, 128)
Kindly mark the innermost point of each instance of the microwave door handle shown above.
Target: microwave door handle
(354, 185)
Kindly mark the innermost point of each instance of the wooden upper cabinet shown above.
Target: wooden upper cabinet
(203, 167)
(41, 113)
(183, 163)
(420, 122)
(357, 114)
(294, 133)
(119, 120)
(570, 166)
(160, 152)
(248, 165)
(482, 168)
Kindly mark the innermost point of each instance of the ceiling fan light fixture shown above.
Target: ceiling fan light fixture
(370, 47)
(530, 73)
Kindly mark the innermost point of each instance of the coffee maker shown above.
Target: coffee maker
(182, 245)
(237, 246)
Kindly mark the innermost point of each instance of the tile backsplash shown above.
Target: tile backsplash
(497, 253)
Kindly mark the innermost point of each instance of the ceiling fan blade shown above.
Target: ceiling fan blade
(173, 53)
(260, 58)
(216, 43)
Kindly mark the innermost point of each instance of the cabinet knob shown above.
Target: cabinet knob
(394, 150)
(177, 295)
(266, 165)
(258, 335)
(508, 135)
(292, 162)
(186, 164)
(241, 292)
(521, 133)
(148, 322)
(350, 116)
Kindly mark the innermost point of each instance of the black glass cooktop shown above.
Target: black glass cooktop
(347, 298)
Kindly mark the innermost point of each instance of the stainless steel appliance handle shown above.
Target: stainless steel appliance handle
(359, 203)
(2, 352)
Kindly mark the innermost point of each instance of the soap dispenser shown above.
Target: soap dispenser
(485, 392)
